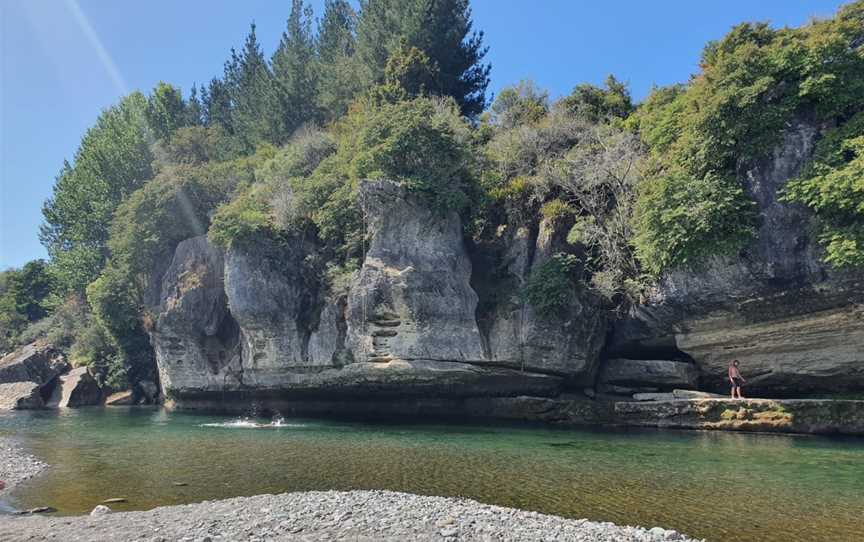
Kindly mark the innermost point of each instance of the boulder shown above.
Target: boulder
(39, 363)
(121, 398)
(20, 395)
(149, 391)
(100, 510)
(76, 389)
(654, 373)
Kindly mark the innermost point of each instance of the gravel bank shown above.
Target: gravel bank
(325, 515)
(16, 465)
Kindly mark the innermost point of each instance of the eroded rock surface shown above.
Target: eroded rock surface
(794, 323)
(656, 373)
(77, 388)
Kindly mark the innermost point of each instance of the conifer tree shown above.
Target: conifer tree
(216, 105)
(254, 98)
(194, 112)
(442, 29)
(165, 110)
(294, 70)
(338, 79)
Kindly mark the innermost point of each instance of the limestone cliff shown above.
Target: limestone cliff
(796, 325)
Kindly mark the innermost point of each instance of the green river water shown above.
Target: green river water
(720, 486)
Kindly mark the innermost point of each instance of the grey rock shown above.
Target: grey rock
(77, 388)
(654, 396)
(568, 343)
(412, 299)
(100, 510)
(20, 395)
(664, 374)
(36, 362)
(792, 321)
(149, 390)
(693, 394)
(120, 398)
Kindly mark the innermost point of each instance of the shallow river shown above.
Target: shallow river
(721, 486)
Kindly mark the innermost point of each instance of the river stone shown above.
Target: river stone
(100, 510)
(657, 373)
(75, 389)
(792, 320)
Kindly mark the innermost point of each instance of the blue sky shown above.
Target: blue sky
(62, 61)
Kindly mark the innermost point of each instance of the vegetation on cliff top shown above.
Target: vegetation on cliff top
(277, 146)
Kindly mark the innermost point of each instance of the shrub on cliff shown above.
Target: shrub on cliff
(752, 83)
(832, 185)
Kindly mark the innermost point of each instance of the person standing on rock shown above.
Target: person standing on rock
(736, 379)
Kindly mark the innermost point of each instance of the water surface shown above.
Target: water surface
(721, 486)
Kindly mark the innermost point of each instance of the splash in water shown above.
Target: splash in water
(249, 423)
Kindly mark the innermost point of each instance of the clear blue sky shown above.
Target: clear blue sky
(65, 60)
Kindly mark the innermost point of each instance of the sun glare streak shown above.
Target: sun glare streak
(101, 52)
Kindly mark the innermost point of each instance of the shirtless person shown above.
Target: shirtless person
(736, 379)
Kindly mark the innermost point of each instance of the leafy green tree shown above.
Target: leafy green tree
(294, 70)
(113, 160)
(442, 29)
(165, 111)
(596, 104)
(520, 104)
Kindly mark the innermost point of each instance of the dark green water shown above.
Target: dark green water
(721, 486)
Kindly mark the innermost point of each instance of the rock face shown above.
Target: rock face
(250, 325)
(412, 299)
(195, 338)
(661, 374)
(76, 389)
(20, 395)
(794, 323)
(568, 343)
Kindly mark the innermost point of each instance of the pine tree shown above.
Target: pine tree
(339, 80)
(294, 69)
(216, 105)
(254, 99)
(194, 111)
(442, 29)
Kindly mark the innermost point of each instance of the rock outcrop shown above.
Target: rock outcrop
(28, 375)
(795, 324)
(567, 343)
(249, 324)
(639, 373)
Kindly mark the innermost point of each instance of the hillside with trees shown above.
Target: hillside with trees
(277, 145)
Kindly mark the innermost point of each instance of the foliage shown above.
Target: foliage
(442, 30)
(681, 220)
(595, 104)
(522, 104)
(165, 111)
(551, 286)
(752, 83)
(113, 160)
(294, 71)
(832, 185)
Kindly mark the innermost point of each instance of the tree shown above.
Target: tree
(194, 112)
(165, 110)
(442, 29)
(113, 160)
(595, 103)
(216, 105)
(338, 78)
(294, 70)
(255, 113)
(520, 104)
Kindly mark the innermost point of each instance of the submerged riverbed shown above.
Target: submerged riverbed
(720, 486)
